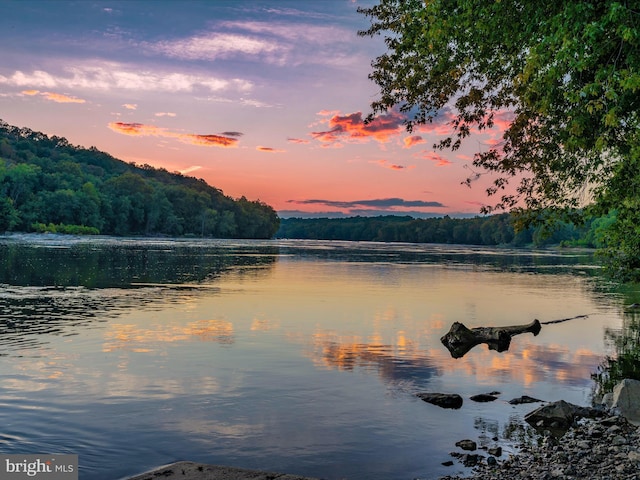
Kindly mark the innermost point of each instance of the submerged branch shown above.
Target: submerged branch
(460, 339)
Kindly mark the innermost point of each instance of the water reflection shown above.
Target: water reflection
(56, 286)
(624, 361)
(393, 363)
(288, 356)
(108, 264)
(134, 338)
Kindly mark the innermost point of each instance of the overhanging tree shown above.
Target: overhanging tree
(569, 73)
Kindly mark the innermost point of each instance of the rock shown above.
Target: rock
(610, 421)
(524, 399)
(448, 463)
(496, 451)
(491, 461)
(483, 397)
(558, 414)
(444, 400)
(470, 459)
(467, 445)
(618, 440)
(626, 399)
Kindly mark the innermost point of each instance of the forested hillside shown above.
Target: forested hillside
(47, 184)
(485, 230)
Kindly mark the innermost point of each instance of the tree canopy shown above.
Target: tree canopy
(566, 72)
(47, 184)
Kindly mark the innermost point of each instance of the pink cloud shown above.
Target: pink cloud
(141, 130)
(393, 166)
(352, 128)
(297, 140)
(439, 160)
(326, 113)
(130, 106)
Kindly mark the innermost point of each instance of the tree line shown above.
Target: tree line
(47, 184)
(561, 77)
(482, 230)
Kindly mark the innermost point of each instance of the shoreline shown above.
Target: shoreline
(201, 471)
(606, 448)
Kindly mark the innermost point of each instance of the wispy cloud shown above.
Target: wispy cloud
(216, 45)
(54, 97)
(299, 141)
(130, 106)
(383, 203)
(269, 149)
(114, 76)
(165, 114)
(393, 166)
(142, 130)
(280, 43)
(351, 128)
(439, 160)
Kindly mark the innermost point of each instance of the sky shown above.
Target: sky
(260, 98)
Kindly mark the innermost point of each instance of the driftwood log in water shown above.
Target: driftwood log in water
(460, 339)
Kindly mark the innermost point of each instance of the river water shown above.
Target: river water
(294, 356)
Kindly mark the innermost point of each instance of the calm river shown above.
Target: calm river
(293, 356)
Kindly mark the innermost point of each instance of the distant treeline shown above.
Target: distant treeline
(47, 184)
(481, 230)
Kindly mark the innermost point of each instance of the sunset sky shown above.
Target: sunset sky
(264, 99)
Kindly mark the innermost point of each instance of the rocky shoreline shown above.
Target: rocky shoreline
(603, 449)
(597, 443)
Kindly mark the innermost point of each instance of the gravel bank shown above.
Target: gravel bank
(603, 449)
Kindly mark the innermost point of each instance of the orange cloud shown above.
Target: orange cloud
(142, 130)
(54, 97)
(61, 98)
(208, 140)
(412, 140)
(137, 129)
(434, 157)
(352, 128)
(268, 149)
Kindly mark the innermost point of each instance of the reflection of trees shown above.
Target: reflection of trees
(53, 286)
(97, 265)
(626, 361)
